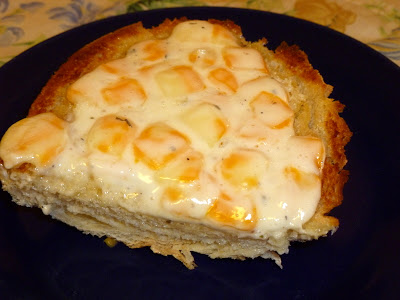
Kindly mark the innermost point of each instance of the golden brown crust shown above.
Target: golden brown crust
(297, 62)
(315, 113)
(109, 47)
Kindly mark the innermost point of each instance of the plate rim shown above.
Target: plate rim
(373, 52)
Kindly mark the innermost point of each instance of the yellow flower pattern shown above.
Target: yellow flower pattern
(324, 13)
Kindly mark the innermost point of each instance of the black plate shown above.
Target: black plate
(40, 257)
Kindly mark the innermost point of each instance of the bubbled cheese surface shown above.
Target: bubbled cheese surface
(190, 128)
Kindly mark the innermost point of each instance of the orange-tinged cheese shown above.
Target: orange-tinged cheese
(223, 78)
(207, 121)
(244, 168)
(125, 90)
(88, 89)
(240, 214)
(203, 57)
(118, 67)
(158, 144)
(179, 81)
(303, 179)
(202, 32)
(36, 140)
(111, 135)
(253, 87)
(179, 200)
(192, 127)
(74, 95)
(154, 50)
(110, 68)
(149, 50)
(173, 194)
(312, 148)
(173, 199)
(221, 35)
(184, 168)
(271, 110)
(244, 58)
(253, 129)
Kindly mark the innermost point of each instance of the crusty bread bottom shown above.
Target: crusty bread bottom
(137, 230)
(315, 115)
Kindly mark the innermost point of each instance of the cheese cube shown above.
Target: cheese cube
(244, 168)
(184, 168)
(238, 213)
(179, 81)
(36, 140)
(207, 122)
(272, 110)
(126, 90)
(111, 135)
(158, 144)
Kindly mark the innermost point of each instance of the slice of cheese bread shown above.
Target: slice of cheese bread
(183, 137)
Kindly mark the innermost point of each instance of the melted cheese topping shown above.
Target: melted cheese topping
(191, 128)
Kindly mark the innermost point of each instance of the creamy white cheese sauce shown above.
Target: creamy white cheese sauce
(219, 110)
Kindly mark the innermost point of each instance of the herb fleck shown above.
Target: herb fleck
(124, 120)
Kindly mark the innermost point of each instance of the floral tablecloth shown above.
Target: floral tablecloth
(25, 23)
